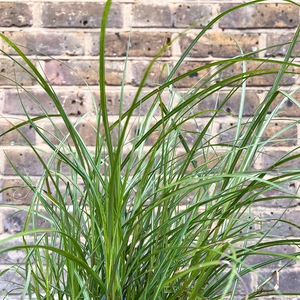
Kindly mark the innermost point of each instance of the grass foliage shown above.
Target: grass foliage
(128, 219)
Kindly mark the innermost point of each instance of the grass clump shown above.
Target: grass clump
(162, 207)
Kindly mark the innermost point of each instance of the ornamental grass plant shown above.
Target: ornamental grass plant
(166, 219)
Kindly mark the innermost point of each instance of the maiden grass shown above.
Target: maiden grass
(164, 220)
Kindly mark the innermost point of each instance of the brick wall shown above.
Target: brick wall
(68, 31)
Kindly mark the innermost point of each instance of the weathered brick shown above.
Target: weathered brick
(195, 78)
(227, 131)
(114, 72)
(15, 137)
(81, 72)
(17, 297)
(232, 105)
(192, 14)
(289, 282)
(16, 192)
(271, 15)
(13, 101)
(11, 72)
(113, 102)
(209, 161)
(15, 256)
(15, 14)
(244, 288)
(249, 222)
(85, 14)
(261, 72)
(1, 187)
(11, 282)
(163, 97)
(88, 132)
(289, 108)
(74, 102)
(151, 139)
(191, 131)
(57, 134)
(219, 45)
(288, 137)
(86, 129)
(206, 107)
(151, 15)
(156, 76)
(13, 220)
(268, 158)
(42, 43)
(24, 160)
(284, 249)
(141, 43)
(72, 72)
(290, 189)
(282, 40)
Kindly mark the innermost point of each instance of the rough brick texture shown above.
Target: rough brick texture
(193, 78)
(156, 76)
(15, 192)
(219, 45)
(11, 72)
(271, 15)
(37, 102)
(195, 15)
(265, 73)
(77, 72)
(15, 14)
(287, 107)
(42, 43)
(141, 44)
(149, 15)
(85, 129)
(283, 41)
(24, 133)
(25, 162)
(11, 281)
(62, 39)
(74, 15)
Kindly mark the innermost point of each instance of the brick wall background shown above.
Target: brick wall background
(69, 31)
